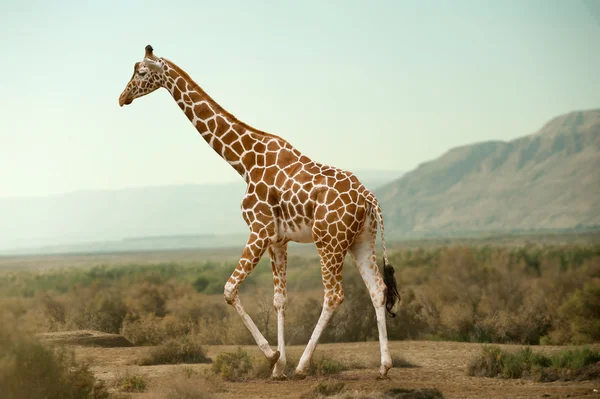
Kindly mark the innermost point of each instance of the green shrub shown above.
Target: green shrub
(574, 359)
(233, 366)
(174, 351)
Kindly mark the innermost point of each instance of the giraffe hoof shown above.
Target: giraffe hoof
(273, 359)
(281, 377)
(382, 377)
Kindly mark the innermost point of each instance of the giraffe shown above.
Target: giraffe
(289, 197)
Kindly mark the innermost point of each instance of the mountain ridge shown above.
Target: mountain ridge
(544, 180)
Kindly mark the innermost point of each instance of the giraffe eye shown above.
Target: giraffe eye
(142, 73)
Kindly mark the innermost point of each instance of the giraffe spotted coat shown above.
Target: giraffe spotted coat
(289, 197)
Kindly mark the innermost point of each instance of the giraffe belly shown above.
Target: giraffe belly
(296, 232)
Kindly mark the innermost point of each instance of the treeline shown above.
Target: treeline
(526, 295)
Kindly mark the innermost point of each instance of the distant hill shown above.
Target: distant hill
(180, 216)
(548, 180)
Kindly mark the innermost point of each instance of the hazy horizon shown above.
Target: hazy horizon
(385, 85)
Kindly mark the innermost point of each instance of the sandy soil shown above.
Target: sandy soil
(441, 365)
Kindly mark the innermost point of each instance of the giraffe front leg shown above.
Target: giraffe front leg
(255, 248)
(278, 254)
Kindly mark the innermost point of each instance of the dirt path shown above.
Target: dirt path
(441, 365)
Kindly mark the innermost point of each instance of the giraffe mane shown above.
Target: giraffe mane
(217, 106)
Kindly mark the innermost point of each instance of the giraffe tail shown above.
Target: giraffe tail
(392, 297)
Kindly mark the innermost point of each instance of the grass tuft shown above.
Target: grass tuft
(175, 351)
(131, 383)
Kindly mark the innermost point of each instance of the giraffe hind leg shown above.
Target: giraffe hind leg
(331, 268)
(363, 253)
(278, 254)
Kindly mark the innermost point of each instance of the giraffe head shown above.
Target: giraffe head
(148, 75)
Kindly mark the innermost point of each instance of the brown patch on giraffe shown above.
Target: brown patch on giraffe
(303, 177)
(249, 160)
(345, 197)
(343, 185)
(212, 125)
(229, 154)
(270, 173)
(280, 179)
(229, 136)
(239, 168)
(259, 147)
(260, 160)
(262, 190)
(247, 141)
(222, 126)
(176, 93)
(286, 157)
(201, 127)
(180, 84)
(217, 146)
(189, 113)
(195, 97)
(272, 196)
(270, 157)
(237, 147)
(203, 111)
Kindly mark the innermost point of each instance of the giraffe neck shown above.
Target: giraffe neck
(232, 139)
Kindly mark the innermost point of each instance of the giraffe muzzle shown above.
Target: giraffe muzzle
(124, 99)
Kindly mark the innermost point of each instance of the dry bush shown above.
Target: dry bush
(96, 308)
(174, 351)
(149, 329)
(131, 382)
(567, 364)
(30, 369)
(233, 366)
(325, 366)
(465, 293)
(578, 317)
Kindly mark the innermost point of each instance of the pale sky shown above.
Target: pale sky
(355, 84)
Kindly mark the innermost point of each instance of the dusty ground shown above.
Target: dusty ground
(441, 365)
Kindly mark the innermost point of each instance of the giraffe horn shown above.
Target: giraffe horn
(149, 51)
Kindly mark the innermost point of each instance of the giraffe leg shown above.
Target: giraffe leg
(363, 253)
(331, 269)
(278, 254)
(255, 248)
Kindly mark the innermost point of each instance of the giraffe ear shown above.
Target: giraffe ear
(153, 65)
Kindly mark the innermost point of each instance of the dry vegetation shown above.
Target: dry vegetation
(473, 294)
(526, 295)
